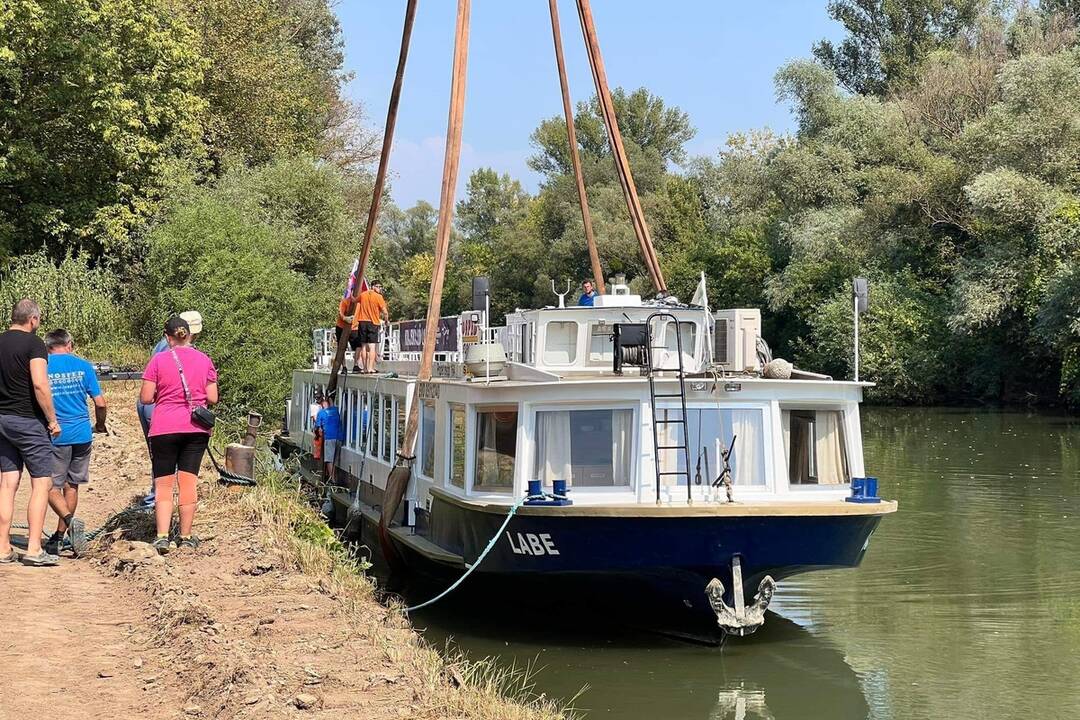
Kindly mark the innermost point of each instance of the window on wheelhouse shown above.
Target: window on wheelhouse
(427, 439)
(560, 343)
(601, 346)
(387, 426)
(588, 448)
(714, 435)
(816, 447)
(400, 428)
(457, 446)
(496, 448)
(687, 334)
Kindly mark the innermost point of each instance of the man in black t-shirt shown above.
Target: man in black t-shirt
(27, 426)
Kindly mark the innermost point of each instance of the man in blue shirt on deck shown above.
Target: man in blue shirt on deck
(71, 380)
(588, 294)
(328, 424)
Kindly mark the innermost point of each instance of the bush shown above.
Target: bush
(72, 295)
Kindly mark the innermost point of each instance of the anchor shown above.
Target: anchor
(742, 619)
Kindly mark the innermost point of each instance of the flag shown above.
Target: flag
(701, 298)
(352, 280)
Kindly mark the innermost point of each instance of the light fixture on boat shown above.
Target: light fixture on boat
(697, 386)
(732, 387)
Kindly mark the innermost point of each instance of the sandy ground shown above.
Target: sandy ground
(225, 631)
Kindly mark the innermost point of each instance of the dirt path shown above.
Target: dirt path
(253, 624)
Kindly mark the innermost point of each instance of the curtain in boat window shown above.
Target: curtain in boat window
(588, 448)
(814, 441)
(496, 445)
(710, 432)
(829, 447)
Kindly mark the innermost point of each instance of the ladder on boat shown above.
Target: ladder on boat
(651, 371)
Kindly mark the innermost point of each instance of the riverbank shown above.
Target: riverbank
(268, 618)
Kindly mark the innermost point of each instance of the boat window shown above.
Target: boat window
(712, 434)
(527, 344)
(363, 442)
(815, 446)
(601, 348)
(457, 446)
(427, 439)
(589, 448)
(560, 343)
(688, 331)
(376, 426)
(400, 429)
(388, 427)
(496, 447)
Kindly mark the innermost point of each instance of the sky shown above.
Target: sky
(715, 59)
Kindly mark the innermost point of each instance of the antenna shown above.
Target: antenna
(561, 295)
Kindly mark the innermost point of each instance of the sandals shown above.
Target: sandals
(42, 559)
(11, 557)
(163, 545)
(192, 542)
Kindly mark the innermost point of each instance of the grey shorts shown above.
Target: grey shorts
(71, 465)
(330, 450)
(25, 442)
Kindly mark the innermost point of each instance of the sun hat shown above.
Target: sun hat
(194, 320)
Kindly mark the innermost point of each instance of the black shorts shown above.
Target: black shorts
(177, 452)
(25, 441)
(354, 337)
(369, 333)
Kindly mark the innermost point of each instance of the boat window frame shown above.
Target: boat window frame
(621, 491)
(448, 448)
(421, 445)
(577, 342)
(603, 362)
(473, 422)
(847, 450)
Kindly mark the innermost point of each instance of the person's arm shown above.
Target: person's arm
(211, 393)
(148, 392)
(39, 377)
(100, 411)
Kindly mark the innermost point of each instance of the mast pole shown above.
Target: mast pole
(575, 159)
(398, 482)
(380, 181)
(622, 165)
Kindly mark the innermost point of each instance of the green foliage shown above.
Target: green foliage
(84, 300)
(101, 118)
(888, 39)
(245, 255)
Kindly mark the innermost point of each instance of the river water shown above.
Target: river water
(967, 604)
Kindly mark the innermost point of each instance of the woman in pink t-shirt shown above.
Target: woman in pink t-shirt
(177, 444)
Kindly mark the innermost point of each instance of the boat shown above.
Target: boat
(637, 453)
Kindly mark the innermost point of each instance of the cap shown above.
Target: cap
(194, 321)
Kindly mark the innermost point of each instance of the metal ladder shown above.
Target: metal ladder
(657, 421)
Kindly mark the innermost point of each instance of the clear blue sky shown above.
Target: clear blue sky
(713, 58)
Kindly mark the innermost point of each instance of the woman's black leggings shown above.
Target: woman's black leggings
(177, 452)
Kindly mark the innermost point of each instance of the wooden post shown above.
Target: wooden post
(398, 481)
(575, 159)
(377, 189)
(622, 165)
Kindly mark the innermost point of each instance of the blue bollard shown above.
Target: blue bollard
(558, 488)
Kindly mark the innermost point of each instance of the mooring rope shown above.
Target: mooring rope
(490, 545)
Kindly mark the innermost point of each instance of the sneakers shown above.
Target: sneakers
(11, 557)
(163, 545)
(56, 544)
(42, 559)
(192, 542)
(76, 535)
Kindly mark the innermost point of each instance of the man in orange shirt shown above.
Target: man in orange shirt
(348, 318)
(371, 311)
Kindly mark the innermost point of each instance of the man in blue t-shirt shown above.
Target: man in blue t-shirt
(71, 380)
(588, 294)
(328, 425)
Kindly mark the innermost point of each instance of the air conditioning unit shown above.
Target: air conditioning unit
(735, 334)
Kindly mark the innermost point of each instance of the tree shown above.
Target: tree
(100, 119)
(888, 39)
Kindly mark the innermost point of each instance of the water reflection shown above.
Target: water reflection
(634, 675)
(967, 605)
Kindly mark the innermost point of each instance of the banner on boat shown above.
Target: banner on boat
(411, 337)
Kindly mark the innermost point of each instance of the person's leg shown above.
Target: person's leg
(71, 496)
(9, 485)
(34, 444)
(57, 501)
(35, 512)
(188, 461)
(10, 471)
(163, 457)
(145, 412)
